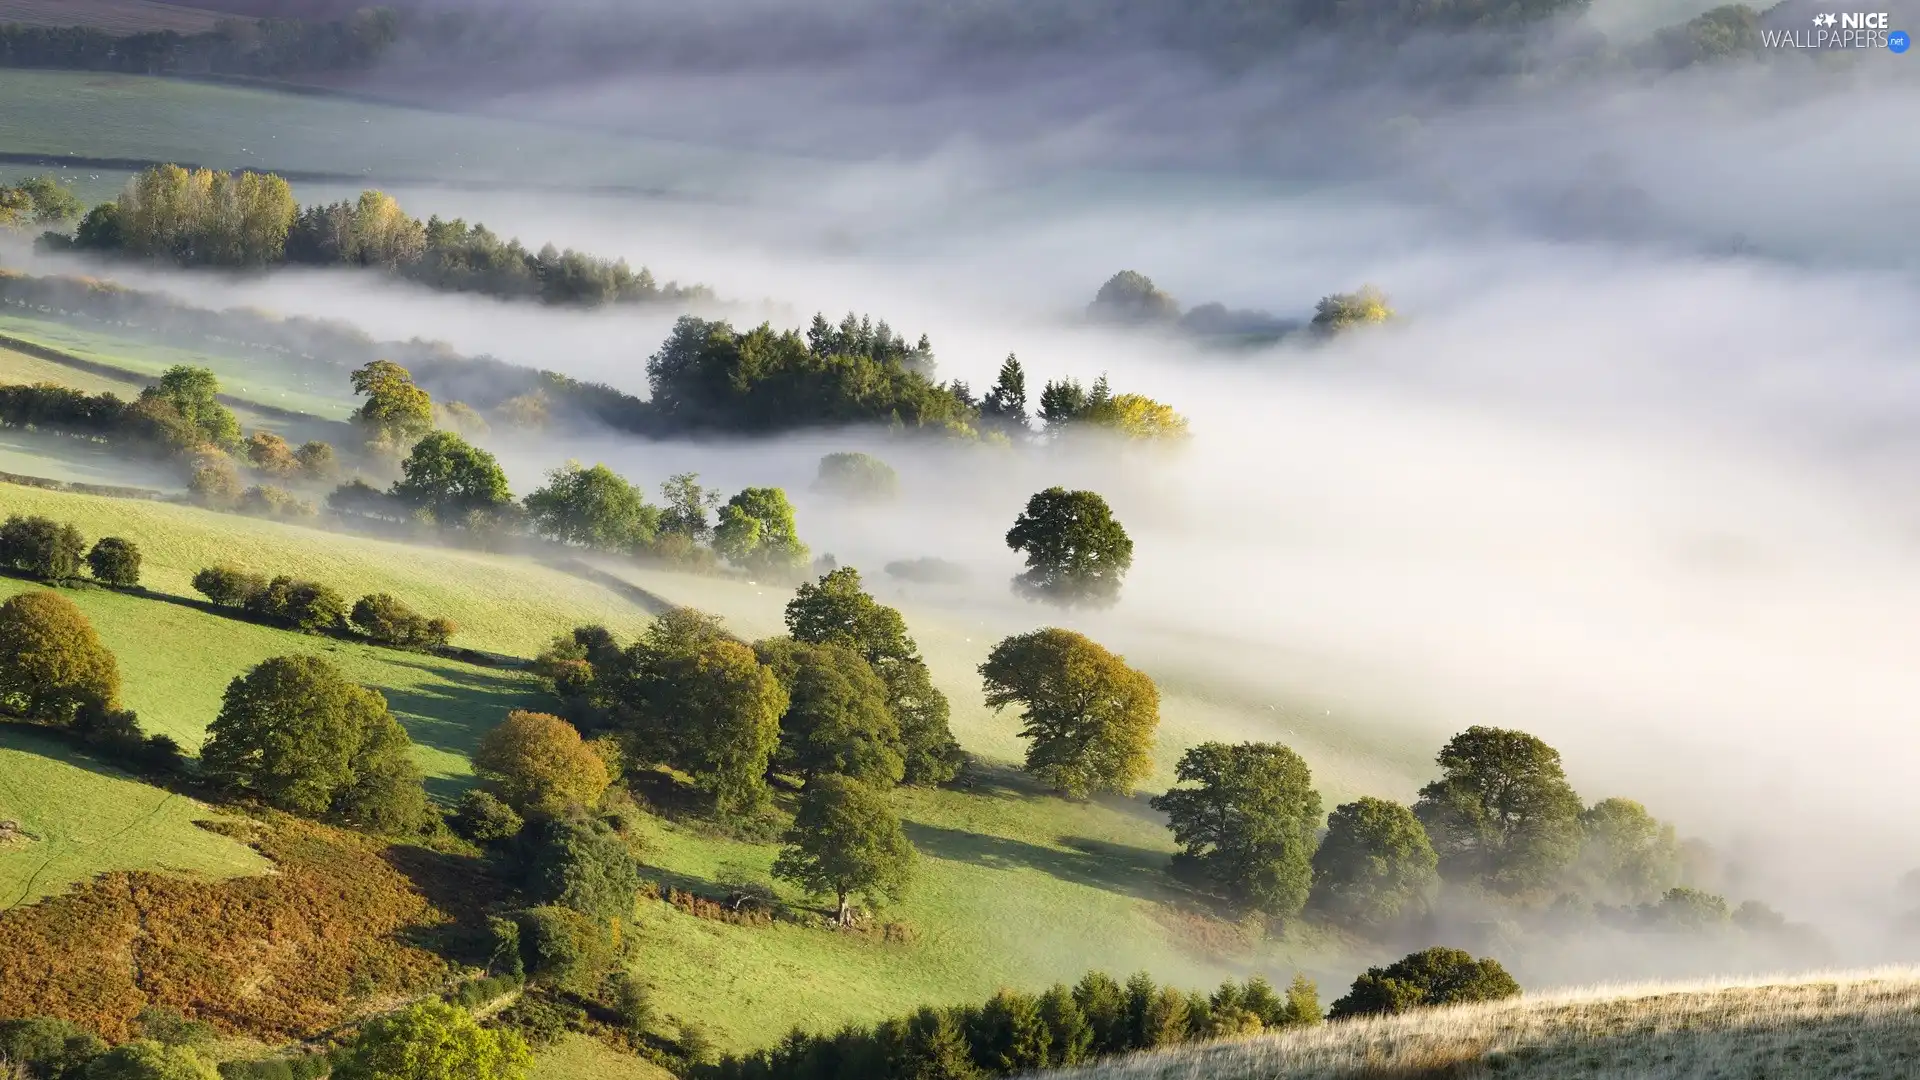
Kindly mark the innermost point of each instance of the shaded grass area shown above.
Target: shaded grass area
(580, 1057)
(86, 818)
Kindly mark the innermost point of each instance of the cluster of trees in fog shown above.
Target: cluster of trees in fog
(1131, 299)
(232, 47)
(207, 217)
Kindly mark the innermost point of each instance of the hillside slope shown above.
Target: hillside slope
(1862, 1025)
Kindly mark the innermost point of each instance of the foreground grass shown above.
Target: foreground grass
(578, 1057)
(1858, 1025)
(86, 818)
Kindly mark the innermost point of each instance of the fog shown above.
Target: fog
(1633, 471)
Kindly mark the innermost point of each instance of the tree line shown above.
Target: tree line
(1131, 299)
(233, 47)
(248, 220)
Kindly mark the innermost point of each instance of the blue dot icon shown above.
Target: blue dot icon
(1898, 41)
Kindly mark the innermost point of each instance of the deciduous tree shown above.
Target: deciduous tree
(52, 664)
(1090, 717)
(194, 392)
(1502, 814)
(846, 842)
(1248, 826)
(451, 480)
(1436, 976)
(595, 508)
(837, 719)
(396, 411)
(433, 1041)
(1374, 865)
(1077, 552)
(115, 561)
(1627, 856)
(757, 532)
(540, 765)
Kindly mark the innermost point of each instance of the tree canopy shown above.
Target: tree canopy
(757, 532)
(1247, 828)
(1627, 856)
(396, 411)
(1077, 551)
(52, 664)
(298, 734)
(1374, 865)
(539, 764)
(838, 720)
(595, 508)
(846, 842)
(1502, 815)
(451, 480)
(433, 1041)
(1089, 716)
(1345, 311)
(194, 393)
(858, 477)
(1436, 976)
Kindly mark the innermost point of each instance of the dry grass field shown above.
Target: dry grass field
(1860, 1025)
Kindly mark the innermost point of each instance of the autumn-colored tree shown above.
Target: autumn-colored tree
(539, 764)
(270, 453)
(1090, 717)
(52, 664)
(396, 411)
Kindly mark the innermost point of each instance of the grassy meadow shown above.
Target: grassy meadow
(114, 16)
(1815, 1026)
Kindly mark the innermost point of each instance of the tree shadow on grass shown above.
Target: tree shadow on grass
(997, 780)
(649, 602)
(1117, 868)
(461, 887)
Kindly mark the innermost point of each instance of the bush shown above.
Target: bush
(539, 764)
(167, 1027)
(860, 477)
(1436, 976)
(46, 1048)
(270, 501)
(433, 1041)
(627, 998)
(115, 561)
(317, 459)
(229, 586)
(387, 621)
(52, 664)
(270, 453)
(41, 547)
(540, 1019)
(482, 817)
(115, 733)
(303, 605)
(564, 948)
(148, 1060)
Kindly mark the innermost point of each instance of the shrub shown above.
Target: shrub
(229, 586)
(482, 817)
(41, 547)
(540, 1019)
(149, 1060)
(115, 561)
(115, 733)
(539, 764)
(317, 459)
(1436, 976)
(168, 1027)
(564, 948)
(270, 501)
(627, 998)
(270, 453)
(46, 1048)
(387, 621)
(52, 664)
(303, 605)
(433, 1041)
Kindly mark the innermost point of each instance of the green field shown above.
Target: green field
(326, 395)
(85, 818)
(341, 141)
(575, 1057)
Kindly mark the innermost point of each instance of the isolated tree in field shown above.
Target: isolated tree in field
(1627, 856)
(1090, 717)
(1005, 406)
(115, 561)
(836, 611)
(756, 532)
(396, 411)
(1502, 814)
(297, 733)
(1247, 828)
(539, 764)
(846, 842)
(689, 695)
(41, 547)
(593, 508)
(52, 664)
(146, 1059)
(194, 393)
(1436, 976)
(433, 1041)
(1344, 311)
(451, 480)
(1077, 552)
(837, 719)
(1131, 297)
(859, 477)
(1374, 865)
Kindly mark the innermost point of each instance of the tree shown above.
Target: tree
(1136, 417)
(1070, 1034)
(41, 547)
(396, 411)
(934, 1047)
(296, 733)
(836, 611)
(837, 719)
(46, 1048)
(687, 506)
(582, 865)
(52, 664)
(1090, 717)
(1374, 865)
(39, 200)
(451, 480)
(1005, 406)
(1626, 855)
(270, 453)
(1502, 814)
(307, 606)
(433, 1041)
(1690, 910)
(846, 842)
(115, 561)
(146, 1059)
(688, 694)
(1012, 1035)
(316, 459)
(1344, 311)
(195, 393)
(1132, 297)
(859, 477)
(229, 586)
(539, 764)
(1436, 976)
(1077, 551)
(756, 532)
(593, 508)
(388, 621)
(1248, 828)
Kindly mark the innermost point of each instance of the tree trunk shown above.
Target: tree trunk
(846, 913)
